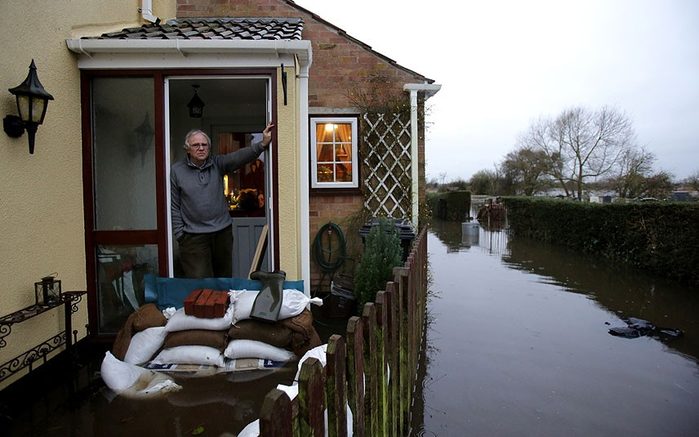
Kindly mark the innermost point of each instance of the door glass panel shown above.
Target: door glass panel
(124, 153)
(120, 282)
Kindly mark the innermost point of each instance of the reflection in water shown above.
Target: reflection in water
(619, 289)
(517, 343)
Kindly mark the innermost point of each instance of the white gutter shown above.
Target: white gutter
(146, 11)
(429, 90)
(187, 47)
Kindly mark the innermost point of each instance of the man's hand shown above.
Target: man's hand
(267, 135)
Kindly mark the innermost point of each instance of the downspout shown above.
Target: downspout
(430, 90)
(304, 67)
(146, 11)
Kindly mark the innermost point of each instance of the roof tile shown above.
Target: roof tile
(215, 28)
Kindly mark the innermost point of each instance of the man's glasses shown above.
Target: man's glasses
(199, 145)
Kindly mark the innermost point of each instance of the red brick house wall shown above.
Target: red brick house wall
(344, 71)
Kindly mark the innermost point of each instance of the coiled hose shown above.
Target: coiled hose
(329, 258)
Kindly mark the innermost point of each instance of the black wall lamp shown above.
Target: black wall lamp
(196, 104)
(32, 101)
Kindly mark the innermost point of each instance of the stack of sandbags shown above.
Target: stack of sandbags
(203, 338)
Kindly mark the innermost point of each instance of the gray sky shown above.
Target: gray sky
(504, 63)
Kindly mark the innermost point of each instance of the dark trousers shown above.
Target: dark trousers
(207, 255)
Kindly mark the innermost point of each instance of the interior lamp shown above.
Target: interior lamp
(196, 104)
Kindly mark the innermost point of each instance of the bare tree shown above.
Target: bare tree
(581, 144)
(634, 168)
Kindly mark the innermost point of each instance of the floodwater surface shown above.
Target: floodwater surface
(518, 344)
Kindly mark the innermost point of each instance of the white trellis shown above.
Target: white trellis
(387, 165)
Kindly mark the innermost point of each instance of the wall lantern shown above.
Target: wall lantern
(196, 104)
(48, 291)
(32, 101)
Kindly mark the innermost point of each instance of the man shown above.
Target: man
(201, 221)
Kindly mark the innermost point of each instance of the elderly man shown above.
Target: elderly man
(201, 222)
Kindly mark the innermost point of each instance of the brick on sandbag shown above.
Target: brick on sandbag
(189, 301)
(200, 304)
(220, 302)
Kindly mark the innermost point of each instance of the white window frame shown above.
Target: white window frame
(353, 121)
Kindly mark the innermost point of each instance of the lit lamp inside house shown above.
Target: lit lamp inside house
(32, 101)
(48, 291)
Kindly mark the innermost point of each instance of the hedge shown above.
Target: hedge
(450, 205)
(662, 237)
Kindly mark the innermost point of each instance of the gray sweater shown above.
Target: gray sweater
(198, 204)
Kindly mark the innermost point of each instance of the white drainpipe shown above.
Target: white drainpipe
(147, 11)
(305, 177)
(430, 90)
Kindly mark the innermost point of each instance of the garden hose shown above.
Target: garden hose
(329, 258)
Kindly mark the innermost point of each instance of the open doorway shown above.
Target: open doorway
(235, 111)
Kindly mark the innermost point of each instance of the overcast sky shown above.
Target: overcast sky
(502, 64)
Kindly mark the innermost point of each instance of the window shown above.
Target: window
(334, 153)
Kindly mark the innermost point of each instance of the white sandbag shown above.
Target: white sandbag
(319, 352)
(179, 321)
(293, 303)
(145, 344)
(133, 381)
(244, 348)
(194, 354)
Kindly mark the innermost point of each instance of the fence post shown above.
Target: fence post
(382, 349)
(391, 332)
(403, 347)
(355, 377)
(335, 372)
(275, 415)
(311, 399)
(371, 370)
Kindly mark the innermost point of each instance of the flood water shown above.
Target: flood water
(518, 344)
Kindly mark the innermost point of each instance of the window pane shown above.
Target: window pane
(343, 172)
(325, 153)
(325, 173)
(124, 153)
(343, 132)
(120, 284)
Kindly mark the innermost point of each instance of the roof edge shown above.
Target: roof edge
(91, 47)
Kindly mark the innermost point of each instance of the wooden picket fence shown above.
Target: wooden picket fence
(372, 370)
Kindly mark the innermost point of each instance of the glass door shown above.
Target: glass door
(122, 197)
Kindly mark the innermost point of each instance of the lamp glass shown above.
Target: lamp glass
(31, 108)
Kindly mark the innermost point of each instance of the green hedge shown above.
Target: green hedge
(450, 205)
(657, 236)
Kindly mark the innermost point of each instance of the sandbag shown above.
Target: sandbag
(256, 349)
(199, 355)
(179, 321)
(145, 344)
(293, 303)
(197, 337)
(133, 381)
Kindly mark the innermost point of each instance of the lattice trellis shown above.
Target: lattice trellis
(387, 164)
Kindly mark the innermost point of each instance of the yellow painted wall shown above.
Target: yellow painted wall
(288, 150)
(41, 199)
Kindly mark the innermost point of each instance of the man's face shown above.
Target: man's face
(198, 149)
